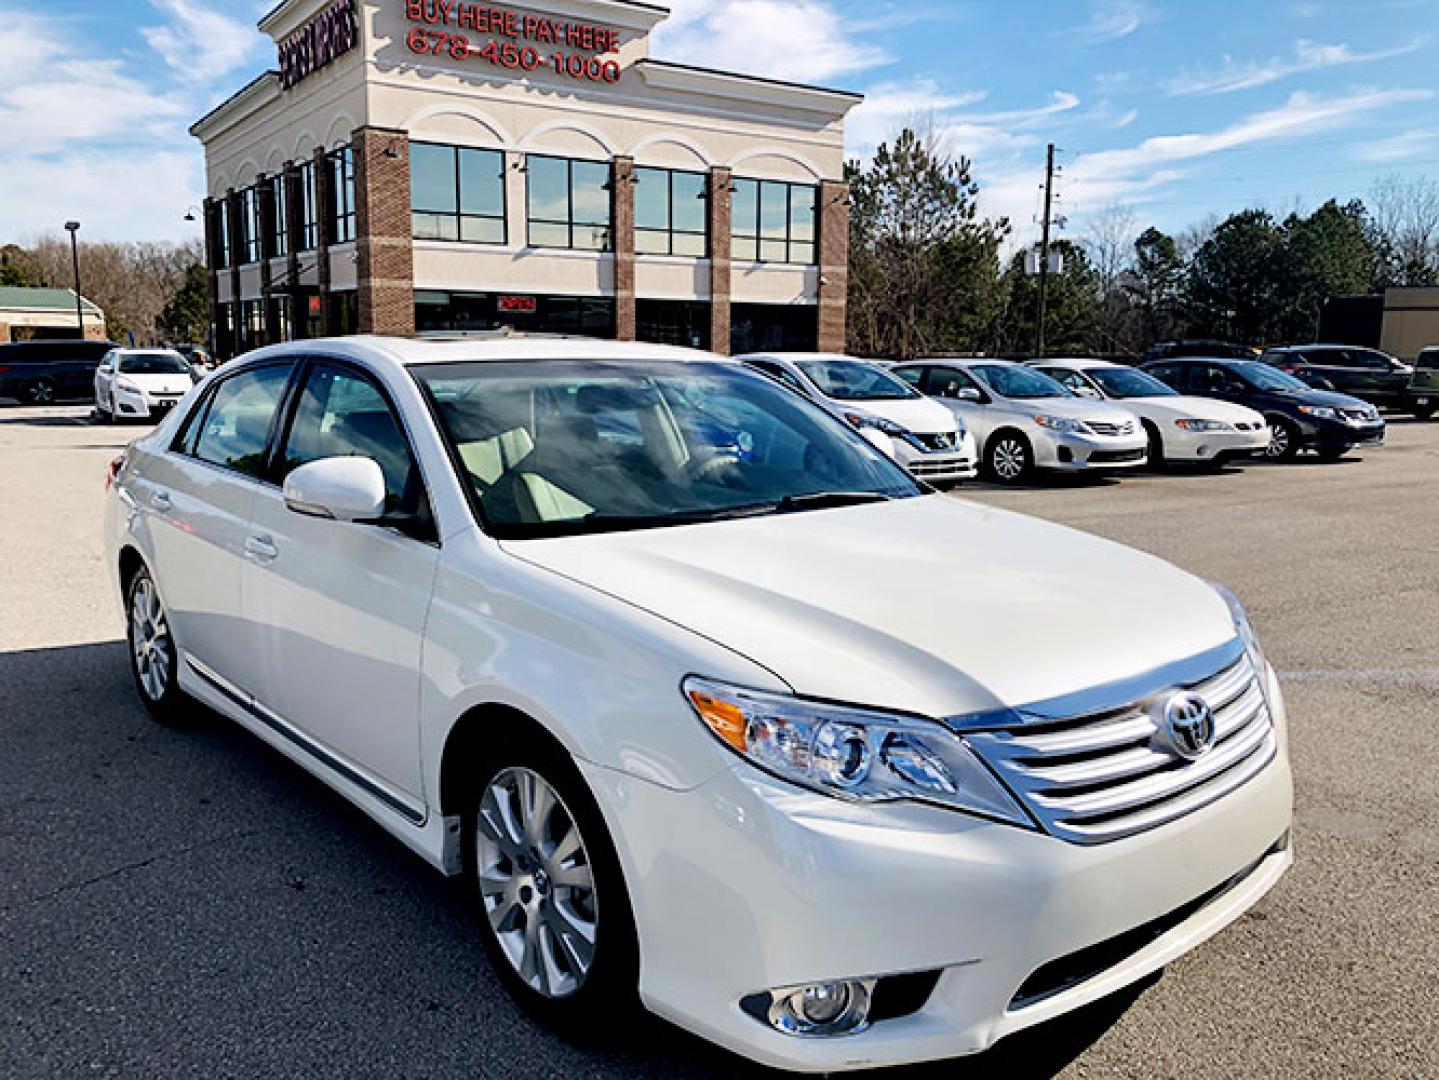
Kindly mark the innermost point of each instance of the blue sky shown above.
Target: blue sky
(1175, 110)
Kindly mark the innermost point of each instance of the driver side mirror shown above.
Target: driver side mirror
(105, 369)
(341, 488)
(955, 392)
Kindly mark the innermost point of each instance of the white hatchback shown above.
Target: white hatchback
(710, 703)
(141, 384)
(1181, 428)
(928, 440)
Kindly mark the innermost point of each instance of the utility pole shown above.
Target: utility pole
(1044, 251)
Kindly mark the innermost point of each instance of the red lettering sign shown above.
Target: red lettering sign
(589, 45)
(522, 305)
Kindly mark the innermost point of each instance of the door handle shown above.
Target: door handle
(161, 502)
(261, 549)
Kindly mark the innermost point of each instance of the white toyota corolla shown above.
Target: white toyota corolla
(711, 704)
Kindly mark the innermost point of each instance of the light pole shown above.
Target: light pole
(73, 227)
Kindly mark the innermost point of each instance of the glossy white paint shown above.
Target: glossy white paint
(354, 650)
(1163, 412)
(121, 394)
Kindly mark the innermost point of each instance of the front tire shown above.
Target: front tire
(40, 392)
(1156, 447)
(1284, 440)
(154, 660)
(1426, 412)
(549, 895)
(1009, 459)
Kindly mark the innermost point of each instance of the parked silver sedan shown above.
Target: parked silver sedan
(1023, 420)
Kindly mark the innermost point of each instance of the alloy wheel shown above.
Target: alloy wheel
(1278, 442)
(1009, 460)
(150, 640)
(41, 392)
(537, 882)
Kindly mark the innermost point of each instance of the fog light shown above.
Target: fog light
(819, 1010)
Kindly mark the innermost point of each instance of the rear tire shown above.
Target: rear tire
(1009, 459)
(154, 659)
(1284, 439)
(548, 891)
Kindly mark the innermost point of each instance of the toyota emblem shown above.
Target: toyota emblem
(1188, 725)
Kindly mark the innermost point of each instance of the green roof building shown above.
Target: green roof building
(27, 313)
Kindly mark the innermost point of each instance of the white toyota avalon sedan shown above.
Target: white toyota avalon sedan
(922, 435)
(712, 705)
(1181, 428)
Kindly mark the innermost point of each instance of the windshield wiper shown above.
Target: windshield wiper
(821, 500)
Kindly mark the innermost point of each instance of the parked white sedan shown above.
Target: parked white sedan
(709, 702)
(141, 384)
(928, 440)
(1024, 420)
(1180, 428)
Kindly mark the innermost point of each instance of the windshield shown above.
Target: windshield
(559, 447)
(1128, 383)
(1265, 377)
(855, 380)
(1022, 383)
(153, 363)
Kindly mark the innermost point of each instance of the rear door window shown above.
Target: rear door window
(235, 431)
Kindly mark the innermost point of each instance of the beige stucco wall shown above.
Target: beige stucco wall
(1411, 321)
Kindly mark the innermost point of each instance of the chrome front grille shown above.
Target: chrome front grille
(1126, 428)
(1111, 774)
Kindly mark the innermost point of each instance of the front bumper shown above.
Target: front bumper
(141, 405)
(1078, 453)
(746, 884)
(939, 466)
(1181, 445)
(1321, 434)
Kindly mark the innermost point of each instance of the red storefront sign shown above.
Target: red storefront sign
(508, 39)
(518, 305)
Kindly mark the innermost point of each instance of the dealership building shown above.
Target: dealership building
(437, 166)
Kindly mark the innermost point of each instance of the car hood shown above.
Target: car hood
(1319, 397)
(1198, 408)
(929, 605)
(1074, 408)
(161, 384)
(920, 415)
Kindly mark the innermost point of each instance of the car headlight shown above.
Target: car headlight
(860, 755)
(126, 384)
(1244, 629)
(1319, 412)
(879, 423)
(1061, 424)
(1203, 425)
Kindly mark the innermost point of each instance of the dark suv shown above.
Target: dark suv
(1365, 373)
(1300, 417)
(1424, 383)
(42, 372)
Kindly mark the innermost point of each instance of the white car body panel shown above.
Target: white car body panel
(1162, 412)
(911, 605)
(139, 396)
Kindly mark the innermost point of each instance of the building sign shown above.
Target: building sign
(319, 42)
(508, 39)
(518, 305)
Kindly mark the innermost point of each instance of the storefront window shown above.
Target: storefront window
(344, 312)
(222, 235)
(457, 193)
(773, 328)
(569, 203)
(279, 316)
(773, 221)
(250, 224)
(451, 312)
(671, 212)
(279, 217)
(342, 196)
(252, 324)
(673, 322)
(309, 209)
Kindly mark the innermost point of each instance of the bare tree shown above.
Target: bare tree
(1405, 212)
(1109, 244)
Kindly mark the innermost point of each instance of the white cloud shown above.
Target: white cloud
(1124, 120)
(1111, 20)
(888, 107)
(201, 44)
(802, 40)
(1400, 147)
(1307, 56)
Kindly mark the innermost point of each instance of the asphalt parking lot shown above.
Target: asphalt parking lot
(188, 903)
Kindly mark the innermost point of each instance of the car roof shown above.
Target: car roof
(802, 357)
(462, 349)
(1076, 362)
(966, 361)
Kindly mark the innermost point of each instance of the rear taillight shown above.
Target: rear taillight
(113, 472)
(4, 368)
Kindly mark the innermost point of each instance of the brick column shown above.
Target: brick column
(383, 233)
(721, 243)
(322, 235)
(833, 264)
(294, 225)
(622, 232)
